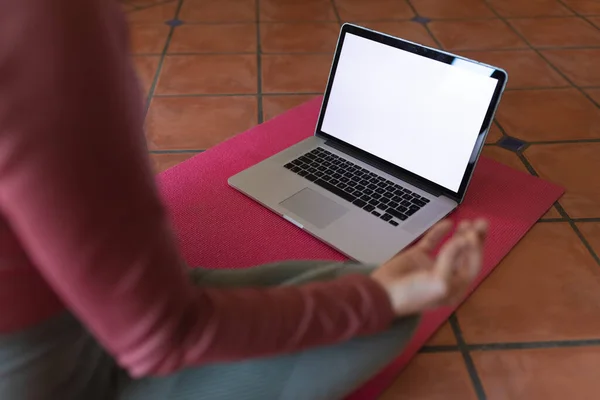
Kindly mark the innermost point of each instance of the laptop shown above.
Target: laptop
(400, 131)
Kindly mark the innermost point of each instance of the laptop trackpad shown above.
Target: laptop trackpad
(314, 208)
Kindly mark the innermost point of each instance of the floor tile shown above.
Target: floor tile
(146, 66)
(547, 288)
(584, 7)
(295, 73)
(552, 213)
(354, 10)
(475, 35)
(443, 337)
(299, 37)
(547, 115)
(436, 9)
(433, 377)
(594, 94)
(581, 66)
(540, 374)
(407, 30)
(218, 11)
(504, 156)
(494, 134)
(526, 69)
(208, 74)
(217, 38)
(591, 231)
(557, 32)
(157, 14)
(294, 10)
(529, 8)
(197, 123)
(273, 105)
(148, 38)
(164, 161)
(572, 166)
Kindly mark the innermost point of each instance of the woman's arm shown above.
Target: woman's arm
(76, 188)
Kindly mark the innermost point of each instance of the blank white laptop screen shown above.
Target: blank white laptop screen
(415, 112)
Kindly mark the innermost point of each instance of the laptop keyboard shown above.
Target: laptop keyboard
(373, 193)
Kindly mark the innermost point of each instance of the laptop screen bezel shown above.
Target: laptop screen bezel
(423, 51)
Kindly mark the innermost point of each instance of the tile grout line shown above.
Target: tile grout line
(259, 94)
(161, 60)
(470, 365)
(336, 12)
(425, 25)
(583, 17)
(549, 344)
(540, 54)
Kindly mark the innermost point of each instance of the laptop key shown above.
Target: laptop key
(303, 173)
(369, 208)
(375, 213)
(396, 214)
(365, 198)
(397, 199)
(384, 200)
(426, 201)
(335, 190)
(393, 223)
(376, 196)
(405, 203)
(373, 202)
(386, 217)
(382, 207)
(359, 203)
(393, 204)
(289, 166)
(311, 177)
(342, 185)
(415, 201)
(295, 169)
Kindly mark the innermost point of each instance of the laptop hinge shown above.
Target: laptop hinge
(383, 167)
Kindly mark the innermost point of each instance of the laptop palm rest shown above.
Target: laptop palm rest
(314, 208)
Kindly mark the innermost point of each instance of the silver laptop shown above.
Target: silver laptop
(400, 130)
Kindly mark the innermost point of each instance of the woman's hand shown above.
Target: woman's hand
(416, 282)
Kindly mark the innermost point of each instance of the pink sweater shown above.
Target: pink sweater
(82, 226)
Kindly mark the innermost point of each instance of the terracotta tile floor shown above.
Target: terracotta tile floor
(213, 68)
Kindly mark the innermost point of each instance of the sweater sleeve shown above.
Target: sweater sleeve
(77, 190)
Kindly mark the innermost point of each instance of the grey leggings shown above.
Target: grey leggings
(58, 359)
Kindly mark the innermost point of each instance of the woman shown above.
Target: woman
(95, 302)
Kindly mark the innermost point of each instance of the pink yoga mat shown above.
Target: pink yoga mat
(220, 228)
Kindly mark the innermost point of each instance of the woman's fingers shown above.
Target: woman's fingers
(449, 257)
(434, 236)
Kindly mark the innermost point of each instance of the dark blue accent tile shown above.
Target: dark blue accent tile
(512, 144)
(421, 20)
(174, 22)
